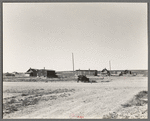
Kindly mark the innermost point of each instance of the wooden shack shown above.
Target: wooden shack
(41, 73)
(46, 73)
(32, 72)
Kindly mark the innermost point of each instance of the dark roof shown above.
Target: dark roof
(46, 69)
(30, 70)
(86, 70)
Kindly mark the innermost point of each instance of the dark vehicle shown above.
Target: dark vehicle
(83, 78)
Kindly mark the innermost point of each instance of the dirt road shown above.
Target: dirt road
(75, 100)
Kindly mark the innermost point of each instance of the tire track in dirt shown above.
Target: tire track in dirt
(86, 103)
(88, 100)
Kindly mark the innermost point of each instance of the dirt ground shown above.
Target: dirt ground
(74, 100)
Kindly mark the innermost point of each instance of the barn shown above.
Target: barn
(41, 73)
(86, 72)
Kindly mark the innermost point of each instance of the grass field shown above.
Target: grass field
(114, 97)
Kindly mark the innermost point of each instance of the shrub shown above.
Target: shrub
(113, 115)
(24, 94)
(137, 100)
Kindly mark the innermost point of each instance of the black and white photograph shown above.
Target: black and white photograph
(75, 60)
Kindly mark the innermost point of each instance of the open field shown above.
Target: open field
(108, 98)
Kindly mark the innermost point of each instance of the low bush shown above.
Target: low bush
(113, 115)
(138, 100)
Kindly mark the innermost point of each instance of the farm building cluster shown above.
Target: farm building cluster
(31, 72)
(103, 72)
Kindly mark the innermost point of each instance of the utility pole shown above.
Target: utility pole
(73, 64)
(110, 65)
(73, 61)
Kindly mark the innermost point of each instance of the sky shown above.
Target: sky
(39, 35)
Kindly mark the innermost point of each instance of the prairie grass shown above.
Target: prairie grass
(138, 100)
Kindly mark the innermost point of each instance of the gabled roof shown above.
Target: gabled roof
(33, 70)
(28, 72)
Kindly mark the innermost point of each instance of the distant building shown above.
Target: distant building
(9, 74)
(14, 72)
(40, 73)
(120, 71)
(32, 72)
(86, 72)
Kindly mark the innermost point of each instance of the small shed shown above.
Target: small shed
(46, 73)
